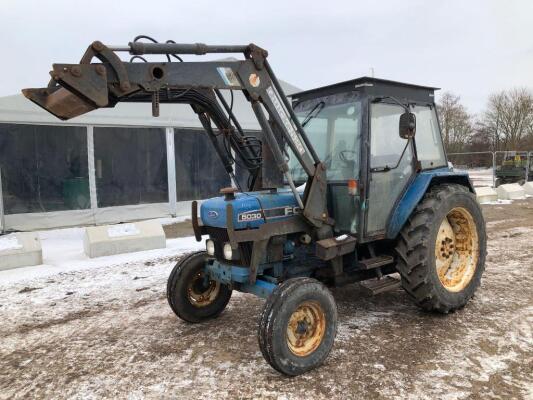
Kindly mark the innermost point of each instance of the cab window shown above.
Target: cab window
(428, 140)
(335, 133)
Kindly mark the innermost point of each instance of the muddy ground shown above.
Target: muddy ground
(108, 333)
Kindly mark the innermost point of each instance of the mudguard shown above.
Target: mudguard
(416, 190)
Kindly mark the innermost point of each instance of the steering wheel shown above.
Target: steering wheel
(344, 156)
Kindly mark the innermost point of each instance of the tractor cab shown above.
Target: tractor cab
(354, 128)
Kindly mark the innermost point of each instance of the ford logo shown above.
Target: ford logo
(212, 214)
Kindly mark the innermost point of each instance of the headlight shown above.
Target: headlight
(210, 247)
(228, 251)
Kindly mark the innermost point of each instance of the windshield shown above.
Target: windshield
(333, 125)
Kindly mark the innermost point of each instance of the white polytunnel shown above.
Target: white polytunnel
(108, 166)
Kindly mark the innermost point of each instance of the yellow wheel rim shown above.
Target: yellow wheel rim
(457, 250)
(306, 329)
(200, 292)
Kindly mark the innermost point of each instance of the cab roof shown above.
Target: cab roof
(372, 86)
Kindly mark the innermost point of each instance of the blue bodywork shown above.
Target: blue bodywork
(238, 275)
(416, 190)
(281, 204)
(247, 209)
(260, 207)
(250, 210)
(227, 273)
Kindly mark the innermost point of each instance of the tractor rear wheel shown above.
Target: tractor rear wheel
(298, 326)
(441, 249)
(191, 295)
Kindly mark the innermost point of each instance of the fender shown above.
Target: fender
(416, 190)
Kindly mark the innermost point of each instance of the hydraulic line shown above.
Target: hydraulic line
(247, 148)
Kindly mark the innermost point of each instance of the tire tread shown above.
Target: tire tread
(412, 250)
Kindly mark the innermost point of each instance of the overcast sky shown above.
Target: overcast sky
(469, 47)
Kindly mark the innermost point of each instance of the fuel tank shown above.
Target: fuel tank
(250, 209)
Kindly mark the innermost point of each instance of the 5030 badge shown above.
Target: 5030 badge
(269, 213)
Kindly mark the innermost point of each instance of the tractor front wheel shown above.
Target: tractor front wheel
(298, 326)
(191, 294)
(441, 249)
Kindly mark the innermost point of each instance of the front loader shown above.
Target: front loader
(344, 183)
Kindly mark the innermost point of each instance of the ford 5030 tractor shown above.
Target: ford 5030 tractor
(344, 183)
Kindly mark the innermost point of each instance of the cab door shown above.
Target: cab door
(335, 132)
(390, 166)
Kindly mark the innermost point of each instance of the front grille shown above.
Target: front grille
(245, 249)
(217, 234)
(220, 236)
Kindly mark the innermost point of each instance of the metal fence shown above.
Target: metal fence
(493, 168)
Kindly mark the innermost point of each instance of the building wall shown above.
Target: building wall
(79, 175)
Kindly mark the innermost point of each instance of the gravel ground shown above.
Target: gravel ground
(109, 333)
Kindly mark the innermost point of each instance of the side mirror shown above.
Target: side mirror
(407, 125)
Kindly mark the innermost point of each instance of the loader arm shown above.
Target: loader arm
(76, 89)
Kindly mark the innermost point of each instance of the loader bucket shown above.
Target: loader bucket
(81, 88)
(59, 102)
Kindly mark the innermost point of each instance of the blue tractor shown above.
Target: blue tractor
(344, 183)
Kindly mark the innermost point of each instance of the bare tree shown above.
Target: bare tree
(456, 123)
(509, 118)
(482, 138)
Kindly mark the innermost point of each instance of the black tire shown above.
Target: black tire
(187, 272)
(292, 295)
(415, 249)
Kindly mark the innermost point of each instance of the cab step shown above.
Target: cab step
(375, 262)
(376, 286)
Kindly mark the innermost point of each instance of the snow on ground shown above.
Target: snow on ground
(9, 242)
(63, 251)
(102, 329)
(122, 230)
(497, 202)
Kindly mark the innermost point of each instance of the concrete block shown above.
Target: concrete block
(528, 188)
(510, 191)
(20, 250)
(485, 194)
(108, 240)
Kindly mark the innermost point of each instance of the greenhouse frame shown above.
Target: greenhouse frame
(109, 166)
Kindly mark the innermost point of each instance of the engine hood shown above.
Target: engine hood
(250, 209)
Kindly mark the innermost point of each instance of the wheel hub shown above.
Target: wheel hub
(306, 328)
(456, 250)
(302, 327)
(201, 291)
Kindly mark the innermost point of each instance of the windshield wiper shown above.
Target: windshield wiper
(319, 107)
